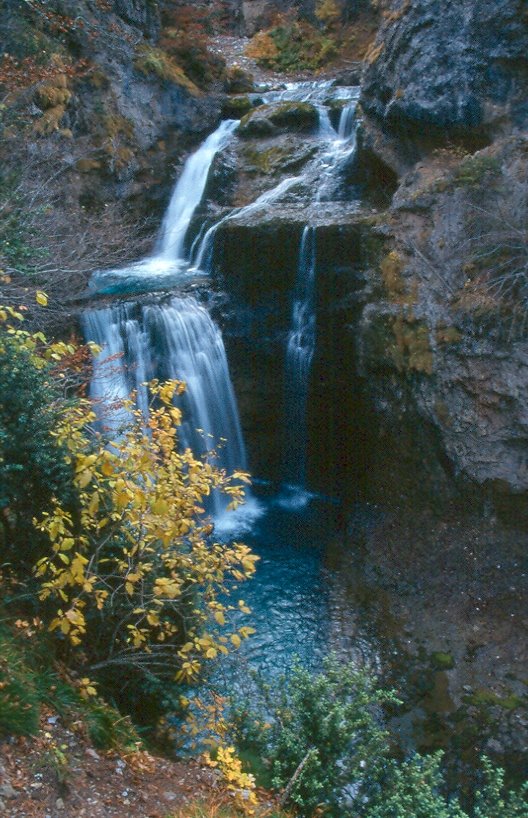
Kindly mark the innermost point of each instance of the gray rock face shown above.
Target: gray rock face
(129, 116)
(143, 15)
(442, 69)
(442, 347)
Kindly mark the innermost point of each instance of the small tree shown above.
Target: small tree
(132, 582)
(328, 12)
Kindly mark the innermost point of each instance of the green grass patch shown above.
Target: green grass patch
(29, 682)
(156, 62)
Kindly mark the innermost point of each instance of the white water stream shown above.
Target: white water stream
(176, 338)
(300, 349)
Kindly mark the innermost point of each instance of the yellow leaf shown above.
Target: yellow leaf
(107, 469)
(235, 638)
(84, 478)
(160, 506)
(41, 298)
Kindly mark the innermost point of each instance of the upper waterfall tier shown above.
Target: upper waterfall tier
(323, 146)
(188, 194)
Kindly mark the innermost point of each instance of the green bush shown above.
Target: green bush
(28, 681)
(32, 464)
(107, 728)
(416, 788)
(476, 170)
(292, 46)
(19, 695)
(320, 741)
(316, 734)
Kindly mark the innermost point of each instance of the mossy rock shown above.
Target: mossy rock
(412, 350)
(114, 125)
(377, 343)
(49, 122)
(238, 81)
(287, 116)
(448, 335)
(391, 268)
(486, 698)
(295, 116)
(53, 93)
(442, 661)
(151, 61)
(236, 107)
(276, 159)
(88, 165)
(256, 124)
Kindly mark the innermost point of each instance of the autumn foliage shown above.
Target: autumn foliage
(130, 579)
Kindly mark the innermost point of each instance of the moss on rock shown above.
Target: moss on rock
(442, 661)
(295, 116)
(412, 350)
(236, 107)
(155, 61)
(238, 81)
(287, 116)
(52, 97)
(276, 159)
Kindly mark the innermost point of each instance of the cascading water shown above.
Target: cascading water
(347, 121)
(337, 147)
(339, 151)
(168, 262)
(171, 259)
(205, 248)
(177, 339)
(300, 349)
(188, 193)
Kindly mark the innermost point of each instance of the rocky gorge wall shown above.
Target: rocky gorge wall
(443, 347)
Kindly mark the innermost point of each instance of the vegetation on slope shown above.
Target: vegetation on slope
(113, 547)
(340, 32)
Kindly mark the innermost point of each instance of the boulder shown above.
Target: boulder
(286, 116)
(441, 71)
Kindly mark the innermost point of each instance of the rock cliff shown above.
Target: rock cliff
(443, 71)
(443, 345)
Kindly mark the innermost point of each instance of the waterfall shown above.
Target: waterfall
(188, 192)
(118, 335)
(299, 354)
(177, 339)
(203, 257)
(338, 154)
(347, 121)
(168, 262)
(326, 129)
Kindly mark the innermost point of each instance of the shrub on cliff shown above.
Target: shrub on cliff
(130, 582)
(156, 61)
(320, 740)
(316, 734)
(292, 45)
